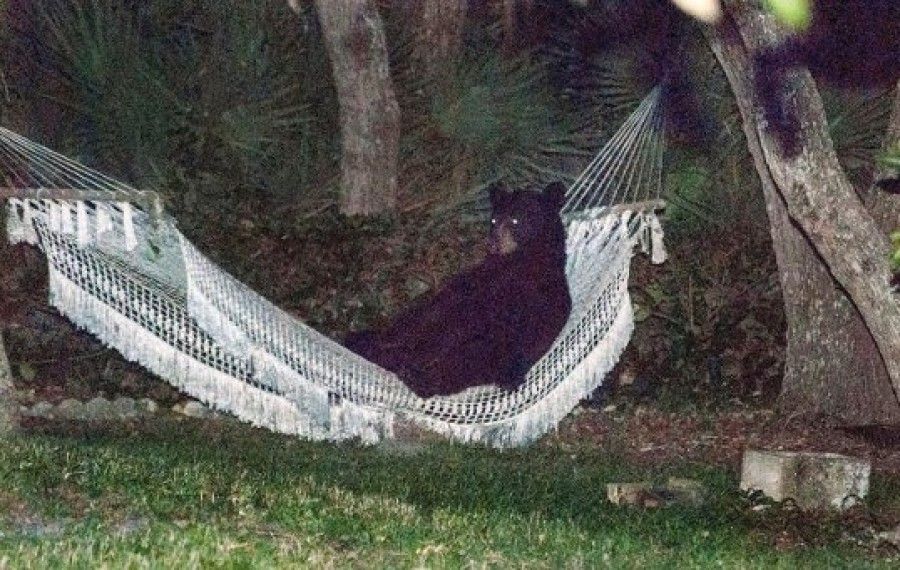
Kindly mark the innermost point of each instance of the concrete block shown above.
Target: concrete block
(147, 406)
(627, 493)
(686, 491)
(812, 480)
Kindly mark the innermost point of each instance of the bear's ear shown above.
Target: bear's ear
(498, 193)
(555, 194)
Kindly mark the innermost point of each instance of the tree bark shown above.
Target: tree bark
(7, 405)
(832, 364)
(843, 351)
(437, 31)
(369, 114)
(513, 13)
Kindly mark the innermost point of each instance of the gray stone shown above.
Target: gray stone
(70, 409)
(99, 409)
(41, 410)
(147, 406)
(628, 493)
(34, 528)
(416, 286)
(891, 536)
(194, 409)
(686, 491)
(812, 480)
(130, 525)
(124, 408)
(7, 403)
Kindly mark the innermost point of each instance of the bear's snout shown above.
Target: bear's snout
(501, 240)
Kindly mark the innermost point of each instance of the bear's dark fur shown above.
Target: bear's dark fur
(487, 325)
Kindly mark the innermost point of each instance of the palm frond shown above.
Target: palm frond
(492, 118)
(857, 123)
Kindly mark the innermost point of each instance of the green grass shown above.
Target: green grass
(186, 494)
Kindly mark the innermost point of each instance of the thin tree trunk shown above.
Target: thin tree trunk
(510, 26)
(369, 114)
(843, 352)
(437, 31)
(514, 12)
(7, 405)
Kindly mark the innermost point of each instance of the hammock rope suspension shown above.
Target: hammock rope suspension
(121, 270)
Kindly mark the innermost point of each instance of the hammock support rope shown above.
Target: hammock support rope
(120, 269)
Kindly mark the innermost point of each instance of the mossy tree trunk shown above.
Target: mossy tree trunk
(369, 115)
(843, 345)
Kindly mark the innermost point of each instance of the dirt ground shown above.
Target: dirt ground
(650, 436)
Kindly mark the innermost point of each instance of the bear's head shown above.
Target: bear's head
(525, 218)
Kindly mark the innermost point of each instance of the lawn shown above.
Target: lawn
(183, 493)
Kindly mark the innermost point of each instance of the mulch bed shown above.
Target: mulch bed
(650, 436)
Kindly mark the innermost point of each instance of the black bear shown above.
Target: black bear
(490, 324)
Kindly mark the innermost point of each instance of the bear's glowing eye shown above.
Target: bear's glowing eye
(515, 222)
(493, 221)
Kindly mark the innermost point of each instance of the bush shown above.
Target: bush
(487, 117)
(209, 99)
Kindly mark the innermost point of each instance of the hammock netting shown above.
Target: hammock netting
(134, 281)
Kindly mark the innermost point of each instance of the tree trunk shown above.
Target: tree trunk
(832, 365)
(843, 346)
(515, 16)
(369, 115)
(437, 31)
(7, 405)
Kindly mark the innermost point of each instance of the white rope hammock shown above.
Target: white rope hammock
(135, 282)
